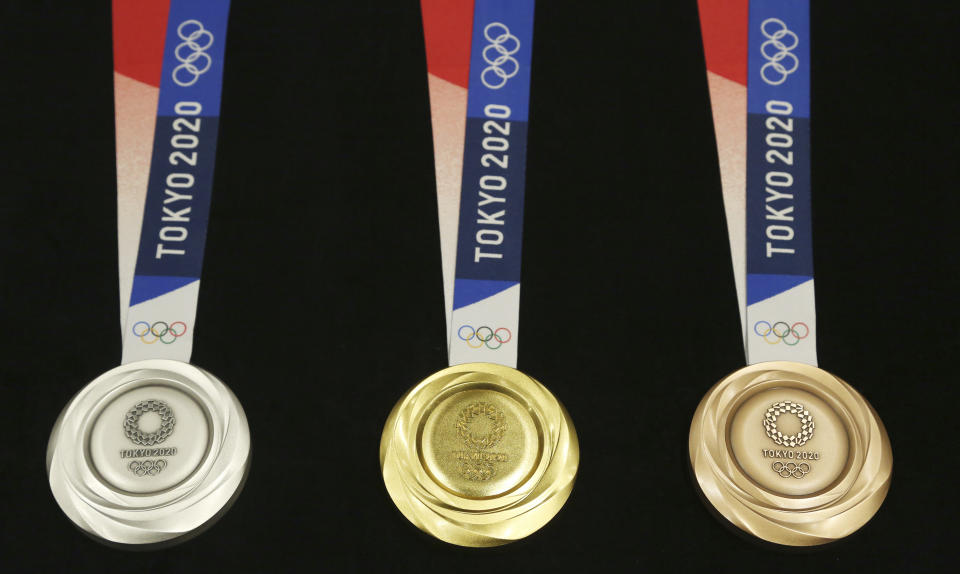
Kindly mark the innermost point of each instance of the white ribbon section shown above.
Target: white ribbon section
(448, 111)
(474, 338)
(162, 327)
(782, 327)
(135, 119)
(729, 102)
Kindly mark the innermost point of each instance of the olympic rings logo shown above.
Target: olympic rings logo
(503, 66)
(159, 331)
(195, 62)
(786, 470)
(147, 467)
(781, 61)
(492, 338)
(781, 331)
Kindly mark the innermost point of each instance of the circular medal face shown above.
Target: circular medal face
(149, 452)
(479, 455)
(790, 453)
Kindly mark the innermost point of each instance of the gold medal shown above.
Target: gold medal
(790, 453)
(479, 455)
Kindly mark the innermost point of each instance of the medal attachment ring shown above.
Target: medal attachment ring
(149, 452)
(790, 453)
(479, 455)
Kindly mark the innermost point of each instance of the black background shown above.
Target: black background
(322, 292)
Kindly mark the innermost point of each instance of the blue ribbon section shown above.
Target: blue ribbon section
(779, 230)
(490, 231)
(177, 209)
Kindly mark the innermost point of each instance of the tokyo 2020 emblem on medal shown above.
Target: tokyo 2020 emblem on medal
(479, 454)
(790, 453)
(157, 449)
(782, 449)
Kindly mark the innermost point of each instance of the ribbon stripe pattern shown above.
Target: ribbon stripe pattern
(479, 59)
(172, 231)
(758, 64)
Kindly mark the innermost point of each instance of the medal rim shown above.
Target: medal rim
(121, 518)
(821, 517)
(479, 521)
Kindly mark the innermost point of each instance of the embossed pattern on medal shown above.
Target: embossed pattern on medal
(147, 467)
(131, 424)
(773, 414)
(479, 464)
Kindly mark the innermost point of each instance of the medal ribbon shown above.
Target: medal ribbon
(478, 68)
(758, 70)
(168, 75)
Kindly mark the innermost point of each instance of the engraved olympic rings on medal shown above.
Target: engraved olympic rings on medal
(131, 423)
(781, 62)
(147, 467)
(492, 338)
(788, 469)
(781, 331)
(806, 423)
(159, 331)
(503, 66)
(196, 61)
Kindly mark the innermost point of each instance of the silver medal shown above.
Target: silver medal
(149, 452)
